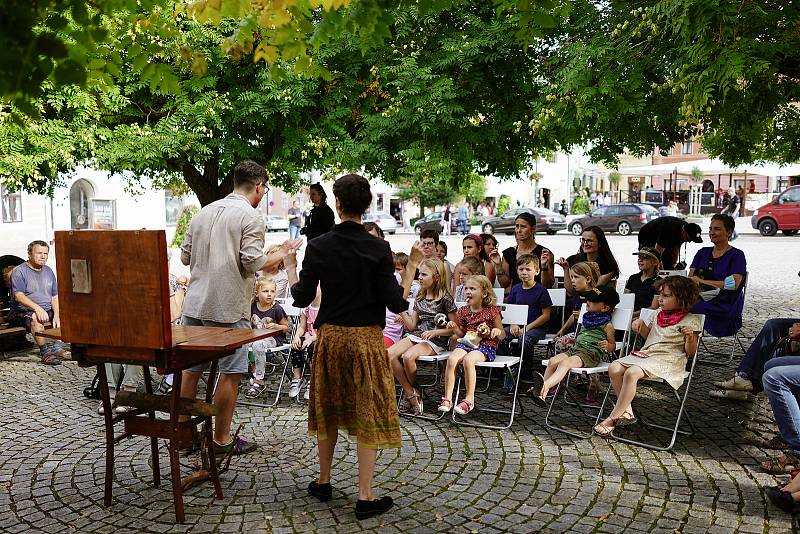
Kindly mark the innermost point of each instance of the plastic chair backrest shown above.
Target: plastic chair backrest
(499, 294)
(289, 307)
(558, 296)
(683, 272)
(514, 313)
(626, 300)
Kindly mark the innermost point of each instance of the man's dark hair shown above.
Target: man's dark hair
(39, 243)
(353, 193)
(727, 221)
(430, 233)
(248, 174)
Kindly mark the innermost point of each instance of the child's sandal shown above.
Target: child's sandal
(446, 405)
(415, 409)
(464, 407)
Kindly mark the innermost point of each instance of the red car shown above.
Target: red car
(783, 214)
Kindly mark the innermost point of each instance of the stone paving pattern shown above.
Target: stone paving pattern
(445, 478)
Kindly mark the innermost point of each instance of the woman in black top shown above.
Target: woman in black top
(352, 386)
(321, 219)
(506, 266)
(594, 247)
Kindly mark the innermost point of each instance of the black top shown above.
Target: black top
(642, 289)
(664, 232)
(510, 255)
(320, 221)
(606, 266)
(356, 272)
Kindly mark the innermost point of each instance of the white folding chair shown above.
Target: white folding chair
(512, 314)
(621, 321)
(648, 315)
(293, 313)
(559, 299)
(736, 338)
(626, 300)
(500, 294)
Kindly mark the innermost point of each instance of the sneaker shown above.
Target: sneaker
(323, 492)
(294, 388)
(737, 383)
(729, 394)
(781, 499)
(236, 447)
(365, 509)
(50, 358)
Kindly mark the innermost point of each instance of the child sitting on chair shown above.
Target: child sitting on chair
(669, 339)
(595, 336)
(467, 267)
(265, 314)
(584, 276)
(303, 345)
(480, 325)
(642, 284)
(537, 299)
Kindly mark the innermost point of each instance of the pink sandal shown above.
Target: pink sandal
(464, 407)
(445, 405)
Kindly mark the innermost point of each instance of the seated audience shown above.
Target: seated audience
(670, 338)
(641, 284)
(594, 247)
(467, 267)
(720, 271)
(35, 301)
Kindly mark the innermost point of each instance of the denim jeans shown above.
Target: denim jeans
(782, 385)
(294, 232)
(760, 351)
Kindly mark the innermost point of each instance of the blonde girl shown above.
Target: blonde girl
(278, 274)
(670, 337)
(265, 314)
(425, 337)
(481, 309)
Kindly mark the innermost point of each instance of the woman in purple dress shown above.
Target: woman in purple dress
(720, 270)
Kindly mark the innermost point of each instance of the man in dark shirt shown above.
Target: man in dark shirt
(666, 235)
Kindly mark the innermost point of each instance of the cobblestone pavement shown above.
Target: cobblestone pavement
(445, 478)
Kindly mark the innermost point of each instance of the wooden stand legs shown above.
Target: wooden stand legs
(175, 431)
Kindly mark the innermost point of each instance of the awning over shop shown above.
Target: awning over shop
(713, 167)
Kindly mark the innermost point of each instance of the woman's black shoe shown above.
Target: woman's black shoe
(323, 492)
(365, 509)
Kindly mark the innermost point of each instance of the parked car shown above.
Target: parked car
(433, 221)
(783, 214)
(546, 221)
(386, 222)
(276, 223)
(622, 218)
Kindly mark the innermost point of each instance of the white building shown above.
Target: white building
(89, 199)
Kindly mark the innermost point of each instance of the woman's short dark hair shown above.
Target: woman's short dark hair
(529, 218)
(443, 245)
(727, 221)
(370, 226)
(318, 188)
(490, 237)
(353, 193)
(685, 290)
(430, 233)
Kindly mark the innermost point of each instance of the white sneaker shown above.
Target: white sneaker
(737, 383)
(294, 388)
(729, 394)
(308, 393)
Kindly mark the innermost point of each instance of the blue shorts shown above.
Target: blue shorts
(232, 364)
(486, 350)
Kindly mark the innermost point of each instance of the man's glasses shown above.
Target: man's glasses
(428, 243)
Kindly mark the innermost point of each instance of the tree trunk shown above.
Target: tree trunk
(421, 210)
(207, 185)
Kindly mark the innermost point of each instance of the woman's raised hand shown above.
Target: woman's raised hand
(495, 257)
(416, 254)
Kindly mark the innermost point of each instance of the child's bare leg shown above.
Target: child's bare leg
(470, 376)
(552, 365)
(625, 396)
(558, 374)
(450, 373)
(395, 351)
(410, 360)
(615, 373)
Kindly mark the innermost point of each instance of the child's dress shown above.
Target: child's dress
(469, 321)
(427, 310)
(664, 353)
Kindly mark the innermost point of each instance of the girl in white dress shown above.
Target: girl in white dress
(669, 338)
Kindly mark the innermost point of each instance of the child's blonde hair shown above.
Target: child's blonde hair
(485, 285)
(472, 264)
(436, 267)
(589, 270)
(273, 248)
(261, 283)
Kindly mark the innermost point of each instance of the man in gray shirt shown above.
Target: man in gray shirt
(34, 303)
(224, 248)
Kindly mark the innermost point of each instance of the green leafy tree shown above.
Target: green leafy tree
(182, 226)
(503, 204)
(476, 191)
